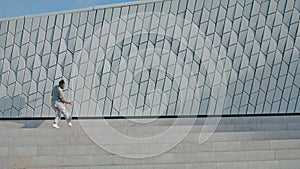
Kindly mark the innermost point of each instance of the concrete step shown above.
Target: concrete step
(282, 164)
(108, 139)
(257, 144)
(249, 158)
(247, 120)
(12, 128)
(147, 131)
(282, 148)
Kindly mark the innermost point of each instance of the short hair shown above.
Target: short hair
(61, 82)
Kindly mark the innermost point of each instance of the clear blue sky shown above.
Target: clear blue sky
(11, 8)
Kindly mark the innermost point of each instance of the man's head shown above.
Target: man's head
(62, 84)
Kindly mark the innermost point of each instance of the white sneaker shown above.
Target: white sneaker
(56, 126)
(70, 124)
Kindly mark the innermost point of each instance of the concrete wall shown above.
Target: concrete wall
(149, 58)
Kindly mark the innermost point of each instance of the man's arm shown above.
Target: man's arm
(61, 96)
(65, 101)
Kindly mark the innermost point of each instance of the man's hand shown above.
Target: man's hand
(66, 102)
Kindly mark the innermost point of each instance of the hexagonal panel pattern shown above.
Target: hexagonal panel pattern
(151, 58)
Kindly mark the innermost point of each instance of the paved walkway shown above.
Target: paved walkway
(238, 142)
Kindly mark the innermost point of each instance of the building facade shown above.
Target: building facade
(151, 58)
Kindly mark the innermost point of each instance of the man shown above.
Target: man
(58, 104)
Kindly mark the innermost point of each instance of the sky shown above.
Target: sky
(12, 8)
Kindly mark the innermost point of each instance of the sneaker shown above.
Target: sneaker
(56, 126)
(70, 124)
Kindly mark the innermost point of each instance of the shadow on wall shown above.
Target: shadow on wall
(17, 107)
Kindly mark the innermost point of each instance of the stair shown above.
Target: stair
(238, 142)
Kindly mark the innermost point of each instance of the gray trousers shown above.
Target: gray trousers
(59, 109)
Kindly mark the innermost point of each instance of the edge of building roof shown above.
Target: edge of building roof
(82, 9)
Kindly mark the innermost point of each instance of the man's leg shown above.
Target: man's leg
(57, 116)
(63, 110)
(68, 116)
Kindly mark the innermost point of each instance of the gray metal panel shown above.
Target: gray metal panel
(154, 56)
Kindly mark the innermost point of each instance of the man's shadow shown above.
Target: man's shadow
(15, 109)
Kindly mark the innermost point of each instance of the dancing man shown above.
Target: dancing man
(58, 104)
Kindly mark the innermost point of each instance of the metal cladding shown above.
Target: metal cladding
(150, 58)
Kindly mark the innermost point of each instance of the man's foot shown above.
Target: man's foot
(70, 124)
(55, 126)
